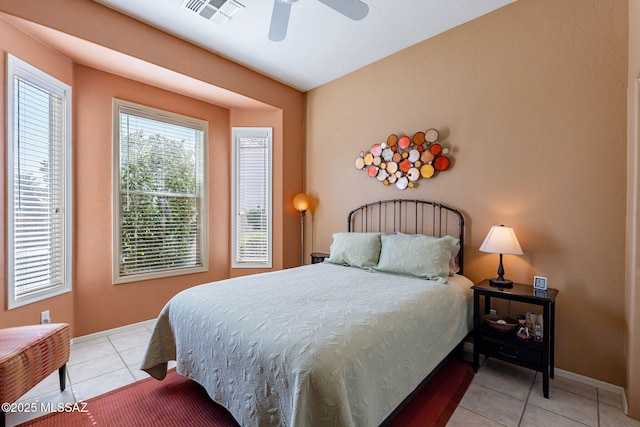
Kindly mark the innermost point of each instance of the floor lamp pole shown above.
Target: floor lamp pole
(302, 213)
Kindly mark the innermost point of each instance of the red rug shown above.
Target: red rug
(438, 399)
(178, 401)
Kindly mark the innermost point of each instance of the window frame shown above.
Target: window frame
(201, 185)
(17, 68)
(251, 132)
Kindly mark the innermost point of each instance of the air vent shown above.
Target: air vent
(216, 11)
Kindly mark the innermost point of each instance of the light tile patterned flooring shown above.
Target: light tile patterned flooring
(500, 394)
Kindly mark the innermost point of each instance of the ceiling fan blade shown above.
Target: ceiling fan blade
(354, 9)
(279, 20)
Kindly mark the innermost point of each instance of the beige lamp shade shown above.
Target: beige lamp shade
(301, 202)
(501, 240)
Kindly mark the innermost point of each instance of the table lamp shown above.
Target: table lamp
(301, 202)
(501, 240)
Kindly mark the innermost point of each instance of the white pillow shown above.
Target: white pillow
(355, 249)
(417, 255)
(454, 267)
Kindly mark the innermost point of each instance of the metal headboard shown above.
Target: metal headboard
(411, 217)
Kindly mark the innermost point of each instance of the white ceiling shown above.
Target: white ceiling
(321, 44)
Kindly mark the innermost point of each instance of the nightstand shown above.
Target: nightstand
(537, 355)
(317, 257)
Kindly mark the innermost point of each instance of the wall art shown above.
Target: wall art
(403, 161)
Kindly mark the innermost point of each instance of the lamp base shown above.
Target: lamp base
(501, 283)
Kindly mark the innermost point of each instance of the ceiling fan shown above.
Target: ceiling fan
(354, 9)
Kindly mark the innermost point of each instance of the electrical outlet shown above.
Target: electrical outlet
(492, 312)
(45, 317)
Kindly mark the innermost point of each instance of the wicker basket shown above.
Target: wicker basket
(492, 321)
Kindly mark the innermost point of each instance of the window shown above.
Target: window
(251, 205)
(39, 184)
(160, 193)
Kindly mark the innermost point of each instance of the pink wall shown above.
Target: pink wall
(100, 304)
(287, 162)
(15, 42)
(95, 304)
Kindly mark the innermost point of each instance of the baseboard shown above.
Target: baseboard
(125, 328)
(595, 383)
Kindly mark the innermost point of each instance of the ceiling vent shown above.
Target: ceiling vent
(217, 11)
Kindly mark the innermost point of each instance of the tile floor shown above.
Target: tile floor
(500, 394)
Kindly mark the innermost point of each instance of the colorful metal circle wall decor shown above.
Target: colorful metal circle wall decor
(403, 161)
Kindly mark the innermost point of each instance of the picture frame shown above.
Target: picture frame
(540, 282)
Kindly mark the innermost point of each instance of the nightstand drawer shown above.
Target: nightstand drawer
(524, 356)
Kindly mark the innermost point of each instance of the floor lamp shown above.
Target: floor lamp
(302, 202)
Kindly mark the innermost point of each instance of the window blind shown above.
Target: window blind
(161, 190)
(38, 191)
(252, 197)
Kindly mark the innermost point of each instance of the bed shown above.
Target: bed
(340, 343)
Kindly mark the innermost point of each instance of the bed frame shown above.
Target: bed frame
(411, 217)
